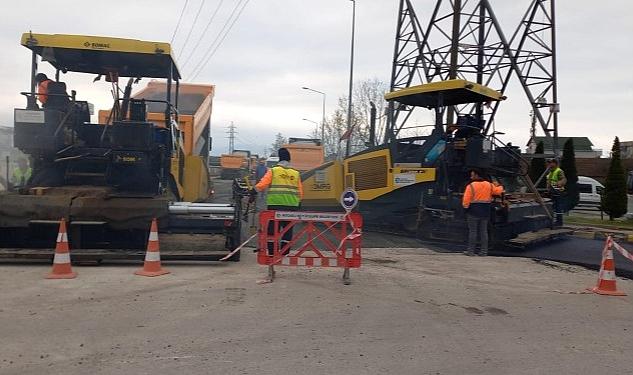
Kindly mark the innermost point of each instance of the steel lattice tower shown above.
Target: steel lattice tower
(464, 40)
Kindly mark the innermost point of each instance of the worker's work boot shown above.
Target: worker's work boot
(469, 253)
(483, 253)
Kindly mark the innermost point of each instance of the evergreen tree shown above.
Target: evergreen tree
(537, 165)
(568, 165)
(614, 199)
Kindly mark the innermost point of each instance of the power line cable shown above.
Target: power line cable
(204, 32)
(193, 24)
(217, 37)
(221, 40)
(182, 12)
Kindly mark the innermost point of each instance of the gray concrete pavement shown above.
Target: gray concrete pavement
(408, 311)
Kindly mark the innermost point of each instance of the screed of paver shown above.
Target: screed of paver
(408, 311)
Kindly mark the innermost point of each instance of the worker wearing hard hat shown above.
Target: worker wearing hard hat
(477, 203)
(284, 192)
(556, 182)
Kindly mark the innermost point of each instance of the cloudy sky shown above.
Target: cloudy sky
(278, 46)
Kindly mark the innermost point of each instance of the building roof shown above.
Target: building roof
(580, 143)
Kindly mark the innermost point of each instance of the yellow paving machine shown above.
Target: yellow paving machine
(414, 185)
(109, 178)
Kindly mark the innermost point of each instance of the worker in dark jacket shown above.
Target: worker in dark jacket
(285, 192)
(477, 203)
(261, 170)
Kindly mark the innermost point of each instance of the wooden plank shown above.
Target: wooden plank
(528, 238)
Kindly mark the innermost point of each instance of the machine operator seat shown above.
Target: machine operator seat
(57, 97)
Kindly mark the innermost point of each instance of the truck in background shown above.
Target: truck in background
(235, 164)
(305, 153)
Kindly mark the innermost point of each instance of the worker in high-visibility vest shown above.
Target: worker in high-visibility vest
(21, 174)
(477, 203)
(556, 182)
(42, 82)
(285, 192)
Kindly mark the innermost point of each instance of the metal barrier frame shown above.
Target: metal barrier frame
(346, 227)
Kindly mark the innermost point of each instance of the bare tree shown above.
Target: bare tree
(280, 140)
(366, 92)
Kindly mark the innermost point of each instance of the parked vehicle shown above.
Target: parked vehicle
(590, 190)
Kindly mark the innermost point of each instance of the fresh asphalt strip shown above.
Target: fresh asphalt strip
(569, 250)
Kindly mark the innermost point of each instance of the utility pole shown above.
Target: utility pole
(231, 132)
(351, 82)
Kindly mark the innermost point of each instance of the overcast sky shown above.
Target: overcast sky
(278, 46)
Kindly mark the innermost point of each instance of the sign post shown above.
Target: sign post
(349, 200)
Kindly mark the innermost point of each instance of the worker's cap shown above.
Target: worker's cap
(284, 154)
(39, 77)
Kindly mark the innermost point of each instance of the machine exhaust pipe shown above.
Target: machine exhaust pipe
(372, 125)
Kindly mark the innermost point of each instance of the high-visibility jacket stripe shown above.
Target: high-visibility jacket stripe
(291, 187)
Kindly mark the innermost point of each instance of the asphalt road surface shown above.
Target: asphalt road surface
(571, 250)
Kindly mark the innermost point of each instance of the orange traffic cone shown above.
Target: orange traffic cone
(152, 267)
(61, 263)
(606, 277)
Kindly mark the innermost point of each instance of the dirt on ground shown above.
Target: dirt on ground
(408, 311)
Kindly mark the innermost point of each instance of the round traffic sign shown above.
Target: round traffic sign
(349, 199)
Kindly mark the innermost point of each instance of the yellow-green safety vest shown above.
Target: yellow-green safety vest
(553, 177)
(20, 177)
(284, 187)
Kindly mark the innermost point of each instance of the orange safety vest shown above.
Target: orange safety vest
(42, 90)
(480, 192)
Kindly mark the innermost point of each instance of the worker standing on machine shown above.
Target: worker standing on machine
(284, 192)
(556, 182)
(477, 202)
(22, 173)
(42, 82)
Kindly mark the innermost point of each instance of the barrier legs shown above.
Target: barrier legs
(271, 273)
(346, 280)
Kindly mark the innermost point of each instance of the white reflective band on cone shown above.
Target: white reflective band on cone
(152, 256)
(62, 258)
(153, 236)
(607, 275)
(62, 237)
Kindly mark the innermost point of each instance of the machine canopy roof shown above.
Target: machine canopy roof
(444, 93)
(103, 55)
